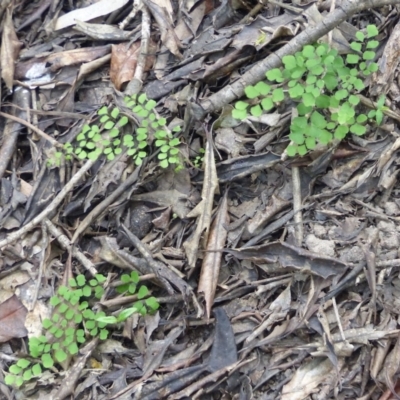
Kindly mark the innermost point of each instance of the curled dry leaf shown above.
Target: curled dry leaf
(9, 51)
(203, 210)
(124, 59)
(212, 258)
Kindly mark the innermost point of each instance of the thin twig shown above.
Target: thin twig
(297, 207)
(33, 128)
(50, 209)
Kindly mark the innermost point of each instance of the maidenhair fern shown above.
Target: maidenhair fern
(325, 86)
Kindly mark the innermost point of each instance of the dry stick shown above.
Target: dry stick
(310, 35)
(297, 208)
(12, 130)
(131, 15)
(135, 85)
(51, 208)
(67, 245)
(32, 128)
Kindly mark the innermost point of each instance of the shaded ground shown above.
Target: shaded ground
(302, 303)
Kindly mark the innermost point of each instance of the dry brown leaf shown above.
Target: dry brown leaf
(306, 379)
(212, 259)
(9, 51)
(203, 210)
(168, 36)
(73, 57)
(12, 319)
(124, 60)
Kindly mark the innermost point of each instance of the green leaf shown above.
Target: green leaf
(290, 62)
(291, 150)
(354, 100)
(9, 379)
(318, 120)
(47, 361)
(27, 375)
(277, 95)
(241, 105)
(125, 314)
(109, 125)
(372, 44)
(352, 59)
(312, 63)
(311, 79)
(373, 67)
(267, 104)
(322, 101)
(381, 102)
(73, 349)
(299, 59)
(372, 31)
(152, 303)
(143, 292)
(359, 85)
(275, 75)
(325, 137)
(104, 118)
(358, 129)
(296, 91)
(308, 100)
(164, 163)
(263, 88)
(310, 143)
(251, 92)
(80, 280)
(54, 301)
(297, 73)
(150, 105)
(142, 98)
(296, 137)
(302, 150)
(115, 112)
(60, 355)
(46, 323)
(239, 114)
(361, 118)
(302, 109)
(356, 46)
(360, 36)
(322, 49)
(103, 111)
(14, 369)
(103, 334)
(331, 81)
(308, 51)
(379, 117)
(368, 55)
(341, 94)
(256, 111)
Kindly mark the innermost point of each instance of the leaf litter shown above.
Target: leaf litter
(276, 277)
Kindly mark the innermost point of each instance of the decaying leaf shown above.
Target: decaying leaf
(12, 319)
